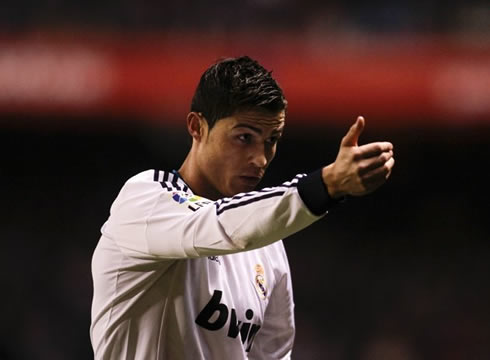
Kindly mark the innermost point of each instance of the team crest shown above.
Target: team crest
(260, 282)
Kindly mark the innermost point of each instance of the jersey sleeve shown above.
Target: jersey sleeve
(162, 219)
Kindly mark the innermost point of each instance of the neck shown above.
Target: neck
(196, 179)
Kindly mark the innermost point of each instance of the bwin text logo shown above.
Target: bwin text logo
(247, 330)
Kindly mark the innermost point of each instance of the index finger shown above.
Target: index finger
(374, 149)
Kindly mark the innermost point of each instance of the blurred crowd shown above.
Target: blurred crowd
(415, 289)
(399, 275)
(288, 15)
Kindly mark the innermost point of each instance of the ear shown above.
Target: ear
(196, 125)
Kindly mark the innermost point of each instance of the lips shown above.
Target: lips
(250, 180)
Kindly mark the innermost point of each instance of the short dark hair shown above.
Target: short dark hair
(236, 84)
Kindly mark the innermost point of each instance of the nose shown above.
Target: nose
(259, 157)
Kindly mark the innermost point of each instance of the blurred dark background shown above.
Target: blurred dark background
(92, 93)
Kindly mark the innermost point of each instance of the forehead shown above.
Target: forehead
(262, 120)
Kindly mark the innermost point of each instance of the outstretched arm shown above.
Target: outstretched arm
(156, 219)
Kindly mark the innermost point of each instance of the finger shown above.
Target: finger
(380, 173)
(390, 164)
(373, 184)
(373, 149)
(372, 163)
(374, 179)
(352, 136)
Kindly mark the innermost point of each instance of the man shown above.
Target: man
(190, 264)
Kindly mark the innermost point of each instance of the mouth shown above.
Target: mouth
(250, 180)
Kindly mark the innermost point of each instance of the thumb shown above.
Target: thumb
(352, 136)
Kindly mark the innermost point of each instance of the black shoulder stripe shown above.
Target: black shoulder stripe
(170, 181)
(257, 193)
(165, 186)
(164, 183)
(174, 183)
(156, 178)
(238, 197)
(220, 210)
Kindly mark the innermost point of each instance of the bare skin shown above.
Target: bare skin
(233, 156)
(358, 170)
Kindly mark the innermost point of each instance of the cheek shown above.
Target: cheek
(222, 158)
(273, 152)
(270, 153)
(232, 159)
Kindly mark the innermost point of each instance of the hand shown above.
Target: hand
(358, 170)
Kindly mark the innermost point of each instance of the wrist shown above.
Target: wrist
(331, 183)
(314, 193)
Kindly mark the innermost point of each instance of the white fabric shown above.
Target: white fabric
(181, 277)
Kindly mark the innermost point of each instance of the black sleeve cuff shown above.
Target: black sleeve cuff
(314, 193)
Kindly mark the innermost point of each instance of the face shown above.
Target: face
(232, 157)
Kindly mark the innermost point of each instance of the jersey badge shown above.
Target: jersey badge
(260, 282)
(182, 197)
(193, 202)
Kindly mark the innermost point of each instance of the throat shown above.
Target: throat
(198, 182)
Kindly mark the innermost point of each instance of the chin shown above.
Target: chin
(243, 189)
(238, 186)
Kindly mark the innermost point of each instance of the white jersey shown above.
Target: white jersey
(177, 276)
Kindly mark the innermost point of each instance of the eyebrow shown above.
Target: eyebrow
(257, 130)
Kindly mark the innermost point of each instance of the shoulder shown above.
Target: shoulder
(147, 185)
(160, 179)
(151, 175)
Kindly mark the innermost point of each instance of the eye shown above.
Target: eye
(245, 138)
(273, 140)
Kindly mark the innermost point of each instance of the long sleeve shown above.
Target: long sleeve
(156, 215)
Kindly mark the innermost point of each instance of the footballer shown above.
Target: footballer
(191, 263)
